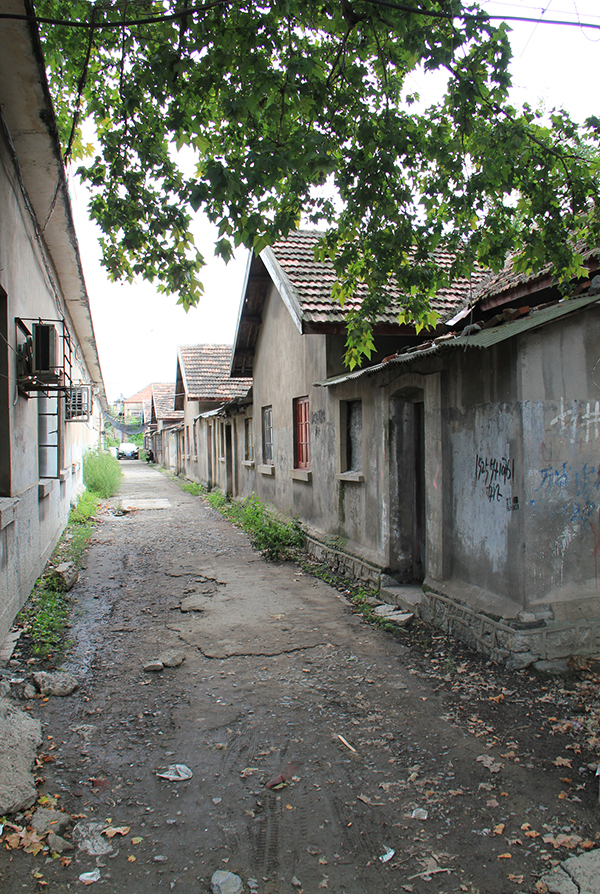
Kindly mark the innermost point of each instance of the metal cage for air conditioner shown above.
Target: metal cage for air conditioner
(45, 355)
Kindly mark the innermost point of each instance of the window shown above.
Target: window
(195, 431)
(351, 420)
(221, 440)
(301, 434)
(249, 440)
(187, 440)
(267, 432)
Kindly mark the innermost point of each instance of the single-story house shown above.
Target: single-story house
(165, 424)
(465, 461)
(49, 369)
(203, 386)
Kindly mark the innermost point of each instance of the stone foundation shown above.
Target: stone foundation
(517, 643)
(344, 563)
(514, 643)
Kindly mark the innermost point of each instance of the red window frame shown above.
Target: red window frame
(301, 434)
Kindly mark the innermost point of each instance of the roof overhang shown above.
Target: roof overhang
(29, 119)
(484, 338)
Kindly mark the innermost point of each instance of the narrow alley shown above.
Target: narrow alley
(324, 753)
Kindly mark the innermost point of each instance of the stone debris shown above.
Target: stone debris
(172, 657)
(58, 683)
(46, 820)
(20, 736)
(154, 666)
(226, 883)
(577, 875)
(57, 844)
(89, 838)
(394, 614)
(65, 576)
(169, 658)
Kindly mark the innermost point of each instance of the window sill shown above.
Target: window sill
(45, 487)
(301, 475)
(64, 474)
(7, 511)
(350, 476)
(249, 463)
(267, 470)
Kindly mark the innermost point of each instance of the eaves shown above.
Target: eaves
(485, 338)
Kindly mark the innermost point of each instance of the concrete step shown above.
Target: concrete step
(405, 596)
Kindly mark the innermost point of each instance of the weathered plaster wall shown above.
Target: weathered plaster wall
(33, 512)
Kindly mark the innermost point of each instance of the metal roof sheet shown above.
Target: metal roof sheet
(485, 338)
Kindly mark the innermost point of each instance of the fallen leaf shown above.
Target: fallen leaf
(488, 761)
(531, 833)
(116, 830)
(131, 858)
(499, 829)
(563, 762)
(505, 856)
(136, 840)
(518, 879)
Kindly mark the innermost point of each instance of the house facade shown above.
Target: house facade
(166, 425)
(466, 462)
(49, 369)
(203, 392)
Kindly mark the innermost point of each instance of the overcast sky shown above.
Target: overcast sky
(137, 330)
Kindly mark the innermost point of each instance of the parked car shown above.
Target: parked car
(126, 450)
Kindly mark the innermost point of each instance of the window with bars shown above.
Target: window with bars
(267, 432)
(78, 403)
(301, 434)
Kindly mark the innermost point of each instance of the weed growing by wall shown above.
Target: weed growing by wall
(101, 473)
(275, 538)
(45, 616)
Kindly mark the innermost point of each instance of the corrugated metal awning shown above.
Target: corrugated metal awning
(485, 338)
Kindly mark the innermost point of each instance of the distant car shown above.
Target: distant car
(128, 451)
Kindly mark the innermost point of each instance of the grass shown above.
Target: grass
(45, 616)
(101, 473)
(275, 538)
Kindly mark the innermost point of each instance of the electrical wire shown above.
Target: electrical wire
(387, 4)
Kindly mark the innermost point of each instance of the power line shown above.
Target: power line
(387, 4)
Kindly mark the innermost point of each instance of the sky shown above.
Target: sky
(138, 330)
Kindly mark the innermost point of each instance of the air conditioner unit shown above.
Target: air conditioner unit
(45, 351)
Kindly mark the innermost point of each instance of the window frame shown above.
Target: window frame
(301, 409)
(268, 453)
(248, 439)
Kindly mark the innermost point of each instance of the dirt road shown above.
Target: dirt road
(384, 744)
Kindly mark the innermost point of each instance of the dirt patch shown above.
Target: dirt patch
(476, 779)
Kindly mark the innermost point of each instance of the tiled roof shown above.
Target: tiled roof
(509, 280)
(313, 281)
(141, 396)
(163, 397)
(206, 373)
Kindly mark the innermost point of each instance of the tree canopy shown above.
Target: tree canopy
(263, 113)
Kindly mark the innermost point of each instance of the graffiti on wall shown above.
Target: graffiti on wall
(583, 485)
(494, 474)
(579, 421)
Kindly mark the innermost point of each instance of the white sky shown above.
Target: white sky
(138, 330)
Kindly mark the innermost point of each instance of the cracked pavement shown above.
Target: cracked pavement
(281, 678)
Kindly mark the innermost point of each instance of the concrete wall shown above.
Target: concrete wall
(33, 510)
(499, 516)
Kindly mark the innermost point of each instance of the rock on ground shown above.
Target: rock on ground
(577, 875)
(226, 883)
(20, 736)
(55, 684)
